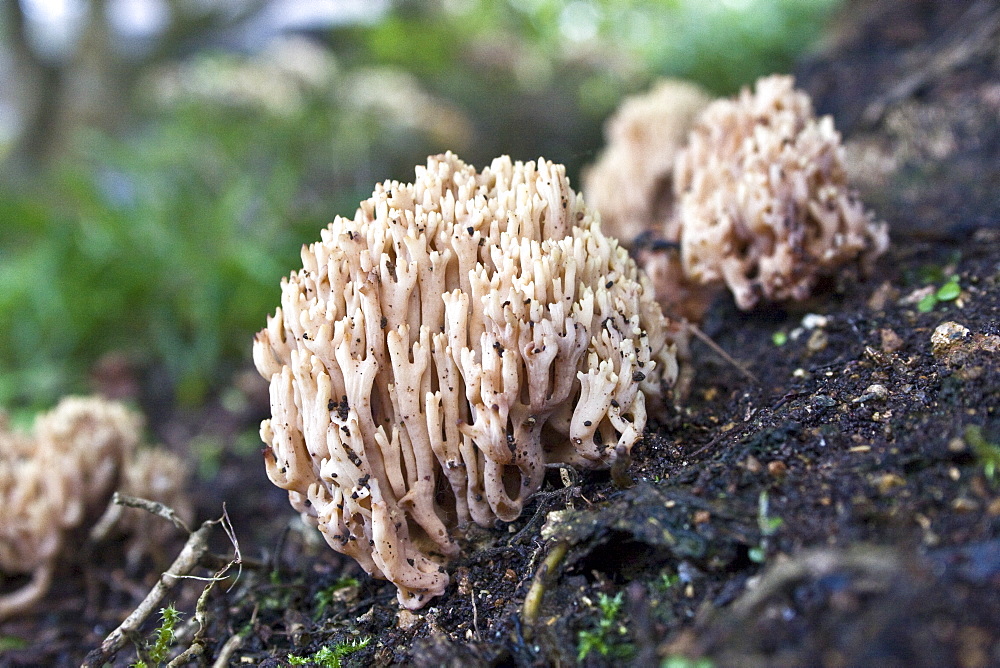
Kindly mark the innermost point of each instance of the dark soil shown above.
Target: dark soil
(843, 509)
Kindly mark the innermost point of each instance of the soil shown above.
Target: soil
(841, 508)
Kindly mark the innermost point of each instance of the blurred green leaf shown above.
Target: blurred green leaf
(949, 291)
(927, 303)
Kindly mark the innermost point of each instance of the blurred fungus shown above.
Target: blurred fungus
(763, 201)
(631, 184)
(58, 478)
(760, 201)
(52, 481)
(436, 351)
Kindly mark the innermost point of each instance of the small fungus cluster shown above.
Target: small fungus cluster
(58, 479)
(440, 348)
(760, 204)
(54, 479)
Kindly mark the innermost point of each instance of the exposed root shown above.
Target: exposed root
(533, 599)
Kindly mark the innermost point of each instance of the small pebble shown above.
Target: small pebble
(874, 392)
(406, 619)
(946, 336)
(917, 295)
(818, 341)
(882, 295)
(891, 341)
(889, 481)
(823, 401)
(777, 468)
(814, 321)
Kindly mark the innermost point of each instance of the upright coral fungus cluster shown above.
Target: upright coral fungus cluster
(761, 204)
(52, 480)
(763, 199)
(436, 351)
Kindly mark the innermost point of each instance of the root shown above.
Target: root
(533, 599)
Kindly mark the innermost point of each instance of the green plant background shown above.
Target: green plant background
(162, 237)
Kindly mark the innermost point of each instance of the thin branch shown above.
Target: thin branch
(197, 647)
(160, 510)
(707, 340)
(227, 651)
(194, 549)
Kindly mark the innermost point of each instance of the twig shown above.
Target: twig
(197, 647)
(194, 549)
(227, 651)
(707, 340)
(794, 394)
(708, 445)
(541, 511)
(214, 562)
(475, 613)
(154, 507)
(200, 616)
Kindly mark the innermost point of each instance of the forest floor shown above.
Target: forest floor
(842, 508)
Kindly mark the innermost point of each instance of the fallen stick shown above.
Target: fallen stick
(194, 549)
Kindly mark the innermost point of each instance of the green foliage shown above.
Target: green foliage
(949, 291)
(987, 453)
(668, 581)
(324, 597)
(606, 638)
(768, 526)
(720, 44)
(276, 595)
(555, 70)
(167, 244)
(677, 661)
(330, 657)
(159, 647)
(161, 247)
(11, 643)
